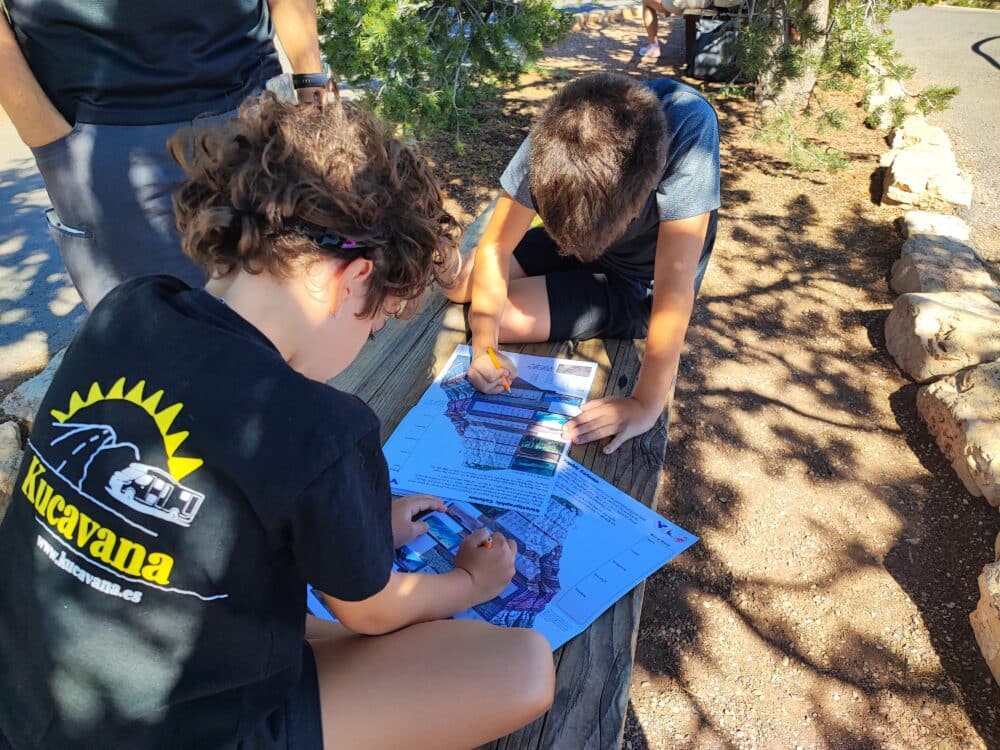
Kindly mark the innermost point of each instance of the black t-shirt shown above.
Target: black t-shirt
(180, 486)
(120, 62)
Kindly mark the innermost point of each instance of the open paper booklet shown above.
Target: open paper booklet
(591, 545)
(500, 462)
(502, 450)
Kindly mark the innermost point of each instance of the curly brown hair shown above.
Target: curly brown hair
(265, 191)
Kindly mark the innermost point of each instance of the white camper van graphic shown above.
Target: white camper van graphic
(153, 491)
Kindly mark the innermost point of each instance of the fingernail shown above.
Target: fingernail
(607, 450)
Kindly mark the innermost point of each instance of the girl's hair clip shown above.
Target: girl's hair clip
(322, 236)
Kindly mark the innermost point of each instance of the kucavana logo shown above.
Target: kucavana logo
(144, 488)
(92, 459)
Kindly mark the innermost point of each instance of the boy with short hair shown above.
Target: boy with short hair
(625, 176)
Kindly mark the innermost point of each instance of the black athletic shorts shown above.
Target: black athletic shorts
(586, 300)
(298, 723)
(591, 300)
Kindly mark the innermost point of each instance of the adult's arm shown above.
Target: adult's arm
(35, 118)
(295, 25)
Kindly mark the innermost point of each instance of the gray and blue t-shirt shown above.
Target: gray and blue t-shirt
(689, 186)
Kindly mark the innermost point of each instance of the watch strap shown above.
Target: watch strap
(310, 80)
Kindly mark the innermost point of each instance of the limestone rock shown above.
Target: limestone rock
(927, 222)
(940, 264)
(10, 461)
(962, 411)
(915, 129)
(986, 618)
(24, 401)
(943, 332)
(954, 187)
(913, 168)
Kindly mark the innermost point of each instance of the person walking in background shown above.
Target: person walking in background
(650, 9)
(95, 89)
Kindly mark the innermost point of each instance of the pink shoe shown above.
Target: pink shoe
(650, 50)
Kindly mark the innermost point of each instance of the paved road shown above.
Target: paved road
(39, 308)
(960, 46)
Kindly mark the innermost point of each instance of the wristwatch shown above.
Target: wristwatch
(311, 80)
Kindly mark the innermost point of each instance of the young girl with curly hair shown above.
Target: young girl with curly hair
(189, 472)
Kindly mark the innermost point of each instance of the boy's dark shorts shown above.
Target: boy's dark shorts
(298, 723)
(589, 300)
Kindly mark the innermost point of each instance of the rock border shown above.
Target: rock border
(595, 19)
(940, 331)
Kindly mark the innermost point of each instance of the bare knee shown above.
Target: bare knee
(535, 665)
(458, 294)
(460, 290)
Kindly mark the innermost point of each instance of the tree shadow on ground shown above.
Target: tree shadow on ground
(39, 308)
(805, 393)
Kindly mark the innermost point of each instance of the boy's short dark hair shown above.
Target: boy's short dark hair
(597, 152)
(267, 191)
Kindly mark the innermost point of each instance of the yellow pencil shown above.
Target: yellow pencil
(496, 364)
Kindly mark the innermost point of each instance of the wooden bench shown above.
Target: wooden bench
(594, 669)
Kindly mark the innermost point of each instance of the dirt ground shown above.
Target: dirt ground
(827, 603)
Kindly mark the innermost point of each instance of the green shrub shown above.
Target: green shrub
(426, 65)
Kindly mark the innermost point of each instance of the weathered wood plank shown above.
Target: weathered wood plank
(595, 668)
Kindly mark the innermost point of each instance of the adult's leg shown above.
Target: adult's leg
(111, 188)
(436, 685)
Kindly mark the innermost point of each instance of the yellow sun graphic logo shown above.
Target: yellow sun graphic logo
(178, 466)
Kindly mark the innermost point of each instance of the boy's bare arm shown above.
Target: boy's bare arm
(480, 573)
(490, 279)
(36, 120)
(678, 249)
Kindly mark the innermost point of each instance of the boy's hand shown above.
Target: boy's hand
(492, 567)
(485, 377)
(404, 528)
(623, 418)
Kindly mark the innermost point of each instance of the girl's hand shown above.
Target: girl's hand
(404, 528)
(491, 566)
